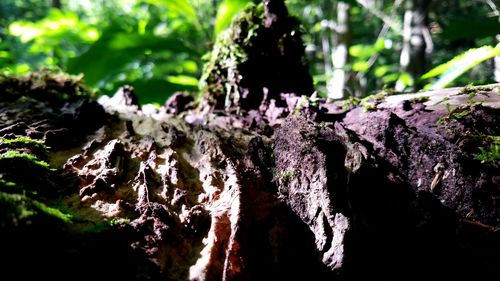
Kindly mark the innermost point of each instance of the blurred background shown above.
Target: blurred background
(354, 48)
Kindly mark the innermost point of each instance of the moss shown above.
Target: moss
(52, 211)
(421, 99)
(91, 227)
(285, 175)
(26, 160)
(491, 153)
(221, 73)
(6, 183)
(442, 100)
(453, 114)
(28, 174)
(370, 103)
(351, 103)
(252, 61)
(469, 89)
(23, 140)
(18, 209)
(44, 85)
(119, 221)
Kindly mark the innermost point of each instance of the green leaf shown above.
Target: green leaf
(406, 79)
(56, 25)
(225, 13)
(360, 66)
(157, 90)
(115, 50)
(460, 64)
(181, 7)
(381, 70)
(183, 80)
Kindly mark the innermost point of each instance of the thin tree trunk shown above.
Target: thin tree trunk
(416, 41)
(340, 56)
(497, 64)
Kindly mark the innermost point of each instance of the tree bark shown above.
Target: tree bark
(318, 193)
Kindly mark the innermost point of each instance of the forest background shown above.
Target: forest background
(354, 48)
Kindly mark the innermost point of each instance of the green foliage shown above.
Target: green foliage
(225, 13)
(471, 28)
(114, 42)
(179, 7)
(50, 41)
(117, 50)
(492, 153)
(453, 114)
(452, 69)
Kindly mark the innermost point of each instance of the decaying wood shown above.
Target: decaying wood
(322, 194)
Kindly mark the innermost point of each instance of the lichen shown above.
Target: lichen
(285, 176)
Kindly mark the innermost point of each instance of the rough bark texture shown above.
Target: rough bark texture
(154, 196)
(297, 188)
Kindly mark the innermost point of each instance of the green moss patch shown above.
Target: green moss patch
(18, 209)
(262, 49)
(221, 74)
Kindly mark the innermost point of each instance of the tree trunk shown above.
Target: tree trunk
(416, 41)
(340, 55)
(497, 63)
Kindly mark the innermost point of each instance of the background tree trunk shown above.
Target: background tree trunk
(417, 43)
(497, 64)
(340, 54)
